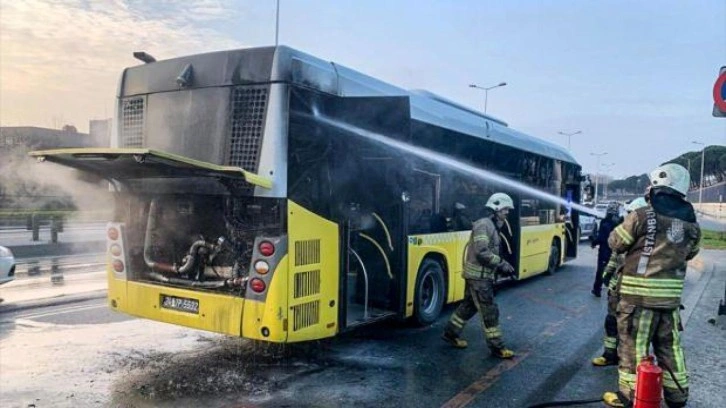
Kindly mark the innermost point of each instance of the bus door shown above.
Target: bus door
(366, 184)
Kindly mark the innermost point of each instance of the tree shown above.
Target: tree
(714, 168)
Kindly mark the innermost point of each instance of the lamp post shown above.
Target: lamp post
(486, 91)
(607, 167)
(597, 171)
(700, 188)
(277, 21)
(569, 135)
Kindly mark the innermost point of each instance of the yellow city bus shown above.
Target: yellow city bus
(241, 207)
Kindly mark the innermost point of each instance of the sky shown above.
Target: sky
(635, 78)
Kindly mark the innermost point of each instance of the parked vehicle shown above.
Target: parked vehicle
(7, 265)
(588, 226)
(601, 208)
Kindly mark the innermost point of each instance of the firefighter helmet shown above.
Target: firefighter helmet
(671, 175)
(499, 201)
(637, 203)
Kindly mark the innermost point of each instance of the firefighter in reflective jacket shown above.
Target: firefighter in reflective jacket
(657, 242)
(481, 263)
(611, 276)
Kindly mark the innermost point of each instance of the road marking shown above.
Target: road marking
(69, 309)
(482, 383)
(468, 395)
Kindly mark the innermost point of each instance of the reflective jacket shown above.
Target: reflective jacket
(611, 273)
(657, 248)
(482, 252)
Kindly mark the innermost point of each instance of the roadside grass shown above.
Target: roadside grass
(713, 239)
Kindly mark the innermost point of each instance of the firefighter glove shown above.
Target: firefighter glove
(506, 269)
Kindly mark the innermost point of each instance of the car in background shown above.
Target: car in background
(7, 265)
(588, 226)
(601, 208)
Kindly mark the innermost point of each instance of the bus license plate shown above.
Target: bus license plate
(179, 303)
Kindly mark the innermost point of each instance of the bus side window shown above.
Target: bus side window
(529, 212)
(421, 206)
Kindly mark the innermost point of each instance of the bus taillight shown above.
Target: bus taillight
(266, 248)
(113, 233)
(262, 267)
(257, 285)
(118, 265)
(115, 250)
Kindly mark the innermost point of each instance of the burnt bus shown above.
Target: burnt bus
(253, 196)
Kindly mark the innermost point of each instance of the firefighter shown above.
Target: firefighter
(607, 225)
(657, 241)
(481, 262)
(611, 276)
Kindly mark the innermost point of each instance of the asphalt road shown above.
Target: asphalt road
(106, 359)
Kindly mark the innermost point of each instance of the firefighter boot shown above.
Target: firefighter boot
(616, 400)
(454, 340)
(503, 353)
(608, 358)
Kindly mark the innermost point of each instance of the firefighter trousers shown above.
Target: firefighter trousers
(639, 328)
(478, 297)
(610, 341)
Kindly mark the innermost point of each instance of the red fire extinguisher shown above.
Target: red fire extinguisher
(648, 384)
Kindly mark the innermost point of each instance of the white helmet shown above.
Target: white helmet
(500, 201)
(673, 176)
(635, 204)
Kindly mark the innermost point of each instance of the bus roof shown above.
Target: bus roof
(284, 64)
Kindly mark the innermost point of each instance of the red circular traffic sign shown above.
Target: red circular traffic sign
(719, 92)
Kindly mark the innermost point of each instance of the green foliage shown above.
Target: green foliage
(714, 170)
(713, 239)
(714, 165)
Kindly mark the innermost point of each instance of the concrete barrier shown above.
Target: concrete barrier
(715, 210)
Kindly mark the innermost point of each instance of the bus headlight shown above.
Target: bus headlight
(262, 267)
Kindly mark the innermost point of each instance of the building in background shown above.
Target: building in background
(31, 137)
(100, 132)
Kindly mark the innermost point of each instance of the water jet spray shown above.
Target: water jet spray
(455, 164)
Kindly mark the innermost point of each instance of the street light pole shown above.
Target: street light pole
(597, 172)
(486, 92)
(700, 188)
(608, 166)
(569, 135)
(277, 21)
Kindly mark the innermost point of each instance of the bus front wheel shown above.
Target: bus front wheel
(429, 292)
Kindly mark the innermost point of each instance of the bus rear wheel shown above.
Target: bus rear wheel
(429, 293)
(554, 259)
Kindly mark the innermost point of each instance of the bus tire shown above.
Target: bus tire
(554, 259)
(429, 294)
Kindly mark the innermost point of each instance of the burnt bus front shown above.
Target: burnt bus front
(202, 222)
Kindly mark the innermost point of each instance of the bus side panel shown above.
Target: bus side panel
(449, 246)
(565, 236)
(267, 320)
(535, 245)
(217, 313)
(314, 275)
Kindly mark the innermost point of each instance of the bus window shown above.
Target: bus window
(529, 212)
(421, 206)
